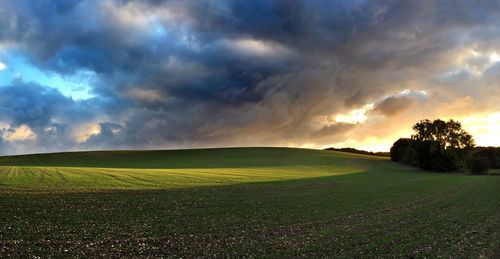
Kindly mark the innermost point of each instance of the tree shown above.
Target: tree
(399, 147)
(491, 153)
(436, 145)
(410, 156)
(479, 164)
(447, 134)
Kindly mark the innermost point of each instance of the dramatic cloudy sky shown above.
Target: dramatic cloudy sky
(123, 74)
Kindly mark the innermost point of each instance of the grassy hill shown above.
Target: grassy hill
(270, 202)
(78, 171)
(186, 158)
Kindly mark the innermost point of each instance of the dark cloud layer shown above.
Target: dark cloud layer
(196, 73)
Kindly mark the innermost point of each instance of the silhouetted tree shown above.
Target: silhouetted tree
(491, 153)
(410, 156)
(399, 147)
(357, 151)
(436, 145)
(447, 134)
(479, 164)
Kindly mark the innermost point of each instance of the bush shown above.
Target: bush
(453, 160)
(479, 164)
(492, 153)
(430, 157)
(410, 156)
(398, 149)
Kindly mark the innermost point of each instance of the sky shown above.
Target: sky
(153, 74)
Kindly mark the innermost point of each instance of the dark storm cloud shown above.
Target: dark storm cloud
(104, 139)
(35, 105)
(394, 105)
(45, 111)
(4, 146)
(399, 103)
(332, 130)
(206, 72)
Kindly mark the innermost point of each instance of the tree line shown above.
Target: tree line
(444, 146)
(357, 151)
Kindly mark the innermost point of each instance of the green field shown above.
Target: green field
(243, 202)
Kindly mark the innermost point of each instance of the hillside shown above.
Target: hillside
(187, 158)
(240, 202)
(78, 171)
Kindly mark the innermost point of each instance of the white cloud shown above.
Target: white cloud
(258, 48)
(485, 128)
(2, 66)
(355, 116)
(21, 133)
(148, 95)
(494, 57)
